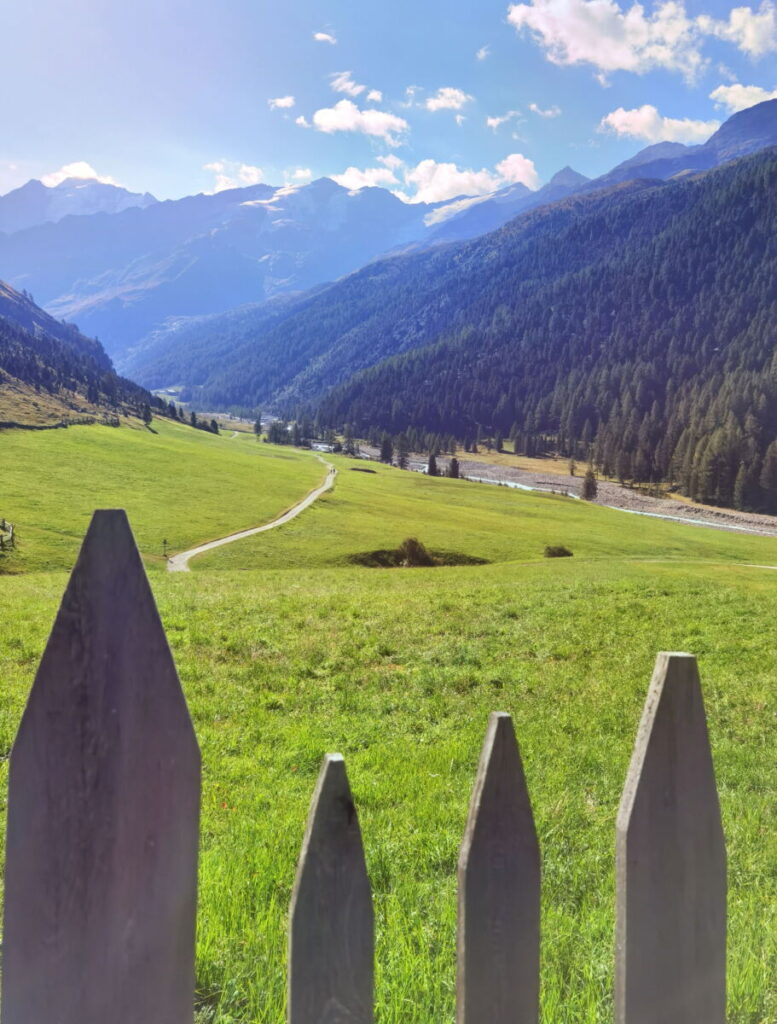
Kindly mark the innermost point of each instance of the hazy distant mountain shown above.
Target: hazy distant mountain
(470, 218)
(746, 132)
(121, 277)
(36, 203)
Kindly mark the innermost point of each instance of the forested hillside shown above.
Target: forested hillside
(51, 366)
(640, 328)
(397, 304)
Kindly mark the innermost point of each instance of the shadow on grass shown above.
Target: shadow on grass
(412, 554)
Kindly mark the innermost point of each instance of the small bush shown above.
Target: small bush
(557, 551)
(412, 553)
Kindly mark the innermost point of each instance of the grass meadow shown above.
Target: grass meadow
(177, 484)
(287, 650)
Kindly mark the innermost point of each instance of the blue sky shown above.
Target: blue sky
(432, 99)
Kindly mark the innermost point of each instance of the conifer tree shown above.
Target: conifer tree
(386, 449)
(403, 451)
(590, 485)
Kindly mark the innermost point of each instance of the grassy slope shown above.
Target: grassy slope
(21, 403)
(368, 511)
(399, 670)
(182, 485)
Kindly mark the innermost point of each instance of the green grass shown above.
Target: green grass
(398, 670)
(367, 511)
(181, 485)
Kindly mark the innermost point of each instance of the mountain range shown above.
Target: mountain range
(36, 203)
(124, 275)
(297, 349)
(135, 273)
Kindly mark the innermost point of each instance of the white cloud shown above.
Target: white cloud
(281, 103)
(448, 99)
(228, 174)
(325, 37)
(248, 175)
(302, 174)
(302, 121)
(345, 116)
(341, 81)
(410, 94)
(374, 96)
(495, 123)
(753, 32)
(483, 52)
(611, 38)
(517, 168)
(353, 178)
(646, 123)
(434, 182)
(79, 169)
(738, 97)
(460, 119)
(553, 111)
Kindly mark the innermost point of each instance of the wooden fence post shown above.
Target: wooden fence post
(499, 891)
(101, 868)
(671, 863)
(331, 943)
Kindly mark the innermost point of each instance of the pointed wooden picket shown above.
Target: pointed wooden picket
(331, 943)
(103, 810)
(671, 863)
(499, 891)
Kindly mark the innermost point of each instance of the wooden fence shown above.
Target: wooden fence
(103, 834)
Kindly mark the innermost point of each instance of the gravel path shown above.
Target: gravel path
(180, 562)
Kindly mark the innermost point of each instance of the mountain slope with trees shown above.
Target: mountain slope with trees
(51, 373)
(315, 341)
(391, 306)
(639, 330)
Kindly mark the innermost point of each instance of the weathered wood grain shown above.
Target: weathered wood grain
(499, 891)
(671, 863)
(103, 812)
(331, 943)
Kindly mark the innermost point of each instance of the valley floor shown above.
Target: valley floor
(628, 499)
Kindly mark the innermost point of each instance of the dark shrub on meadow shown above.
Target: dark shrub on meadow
(557, 551)
(413, 553)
